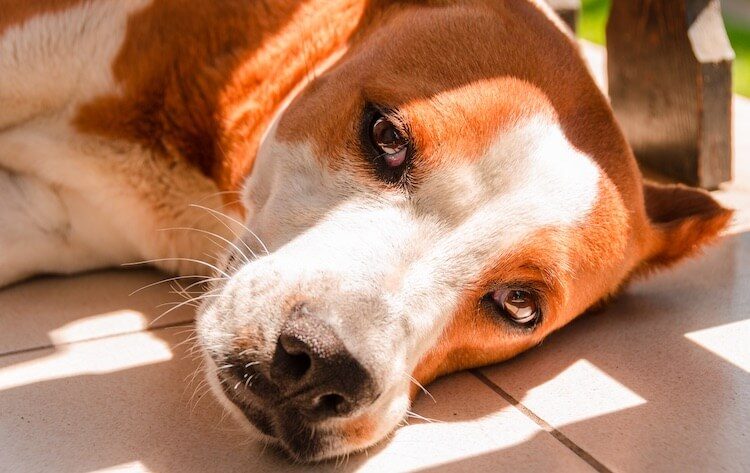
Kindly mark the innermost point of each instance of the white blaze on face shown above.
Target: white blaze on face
(385, 268)
(531, 178)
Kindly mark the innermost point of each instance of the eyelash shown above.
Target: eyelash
(397, 177)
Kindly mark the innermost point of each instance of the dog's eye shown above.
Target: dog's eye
(518, 305)
(389, 142)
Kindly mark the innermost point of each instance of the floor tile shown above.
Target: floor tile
(121, 403)
(473, 430)
(56, 310)
(658, 381)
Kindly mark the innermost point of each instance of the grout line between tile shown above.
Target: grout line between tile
(100, 337)
(562, 438)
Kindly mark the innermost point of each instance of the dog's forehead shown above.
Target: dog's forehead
(502, 149)
(527, 178)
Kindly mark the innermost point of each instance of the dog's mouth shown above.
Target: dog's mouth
(301, 438)
(247, 394)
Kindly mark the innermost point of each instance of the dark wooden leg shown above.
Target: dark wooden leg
(568, 11)
(670, 82)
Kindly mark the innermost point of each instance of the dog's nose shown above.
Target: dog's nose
(315, 372)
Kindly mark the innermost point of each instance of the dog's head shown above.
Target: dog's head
(451, 191)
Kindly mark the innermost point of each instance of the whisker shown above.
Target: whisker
(217, 194)
(216, 212)
(193, 375)
(230, 203)
(426, 419)
(249, 378)
(185, 292)
(187, 330)
(419, 385)
(189, 300)
(192, 338)
(207, 280)
(191, 260)
(206, 389)
(180, 304)
(176, 278)
(201, 384)
(206, 232)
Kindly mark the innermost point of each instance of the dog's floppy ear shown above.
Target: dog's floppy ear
(683, 219)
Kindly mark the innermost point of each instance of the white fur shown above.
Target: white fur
(386, 270)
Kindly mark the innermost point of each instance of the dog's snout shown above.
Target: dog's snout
(314, 370)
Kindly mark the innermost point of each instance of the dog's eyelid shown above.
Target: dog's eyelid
(393, 115)
(539, 287)
(400, 122)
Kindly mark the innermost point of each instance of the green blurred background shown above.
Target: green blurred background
(594, 18)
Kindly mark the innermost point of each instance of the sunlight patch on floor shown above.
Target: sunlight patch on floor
(109, 323)
(83, 358)
(131, 466)
(728, 341)
(604, 393)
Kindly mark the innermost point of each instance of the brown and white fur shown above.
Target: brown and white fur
(116, 115)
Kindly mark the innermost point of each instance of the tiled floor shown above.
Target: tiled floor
(657, 382)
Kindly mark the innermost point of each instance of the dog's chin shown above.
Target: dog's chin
(290, 433)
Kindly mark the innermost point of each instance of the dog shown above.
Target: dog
(399, 189)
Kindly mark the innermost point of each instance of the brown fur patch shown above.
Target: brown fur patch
(358, 432)
(201, 80)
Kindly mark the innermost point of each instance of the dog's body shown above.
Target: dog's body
(113, 113)
(448, 174)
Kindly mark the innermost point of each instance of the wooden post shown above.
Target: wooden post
(670, 83)
(568, 11)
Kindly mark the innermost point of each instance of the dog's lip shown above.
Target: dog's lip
(282, 424)
(254, 413)
(259, 418)
(301, 443)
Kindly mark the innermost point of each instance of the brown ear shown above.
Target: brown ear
(683, 219)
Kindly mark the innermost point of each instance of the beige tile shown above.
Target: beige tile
(120, 403)
(473, 430)
(659, 380)
(57, 310)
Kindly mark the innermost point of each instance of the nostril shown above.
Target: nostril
(298, 365)
(333, 404)
(292, 359)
